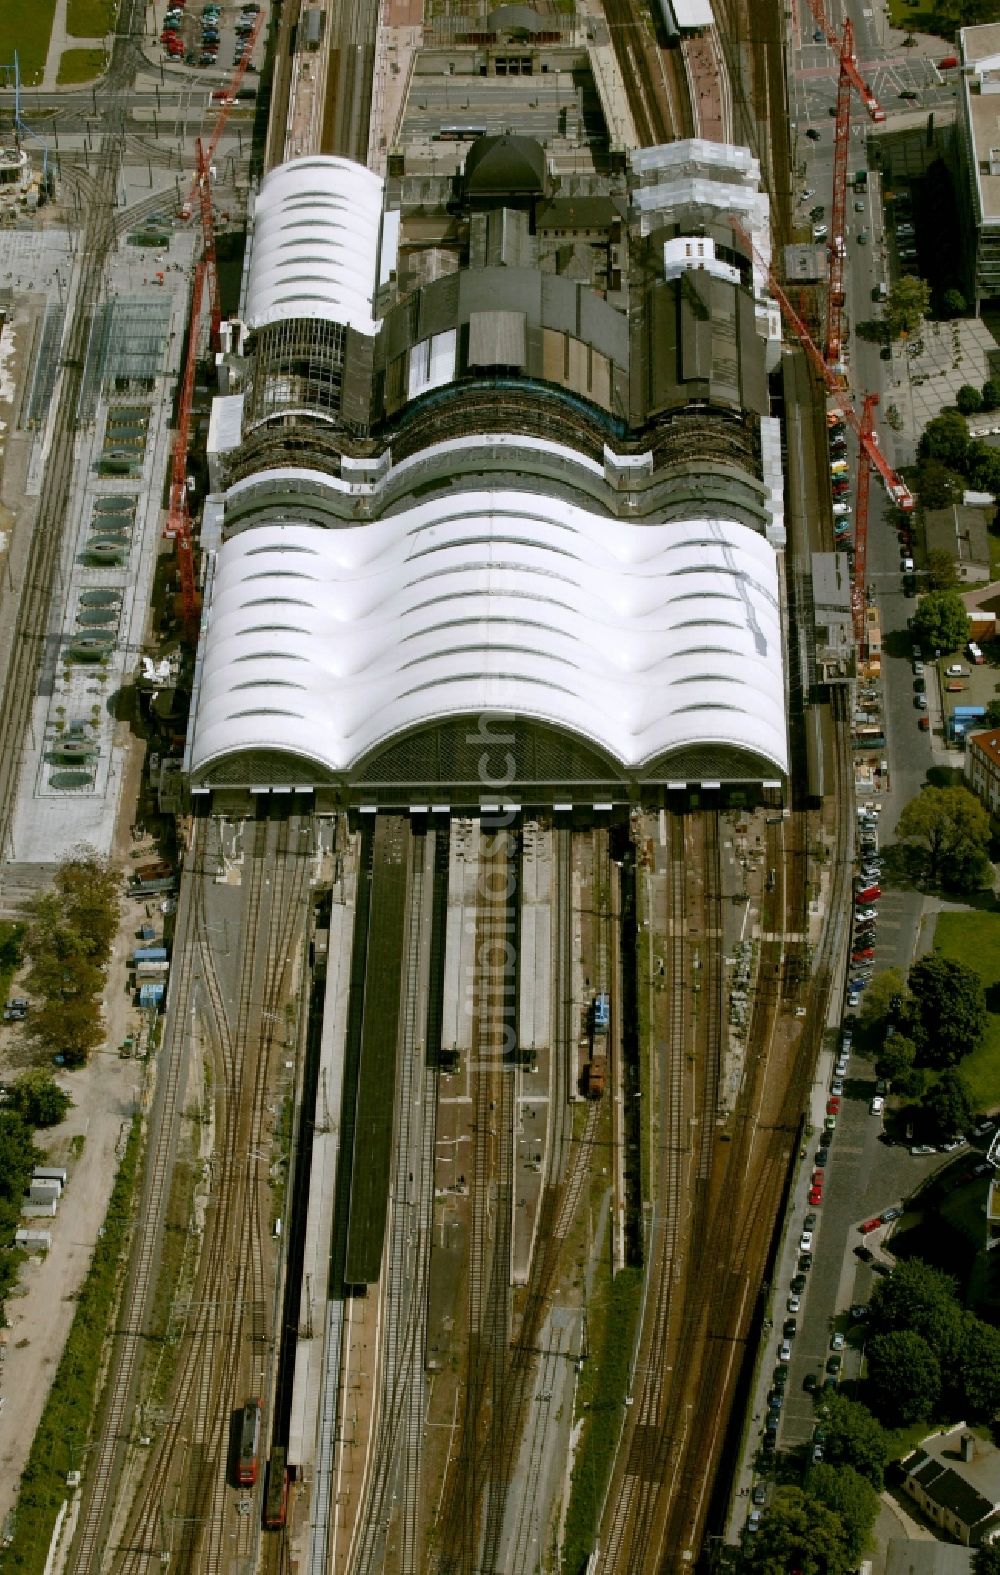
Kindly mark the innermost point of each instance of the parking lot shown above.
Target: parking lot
(212, 34)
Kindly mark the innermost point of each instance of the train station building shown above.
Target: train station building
(511, 458)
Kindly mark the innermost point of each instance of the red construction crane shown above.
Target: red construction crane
(859, 579)
(850, 77)
(228, 100)
(869, 455)
(205, 272)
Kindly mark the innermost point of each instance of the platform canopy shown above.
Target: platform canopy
(315, 244)
(638, 639)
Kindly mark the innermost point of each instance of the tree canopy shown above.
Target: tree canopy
(68, 943)
(969, 399)
(849, 1495)
(883, 1000)
(977, 1379)
(949, 830)
(904, 1377)
(986, 1560)
(798, 1532)
(909, 302)
(937, 486)
(949, 1016)
(897, 1062)
(855, 1438)
(942, 572)
(941, 622)
(945, 438)
(920, 1298)
(38, 1098)
(948, 1105)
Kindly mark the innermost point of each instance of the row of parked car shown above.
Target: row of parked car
(184, 43)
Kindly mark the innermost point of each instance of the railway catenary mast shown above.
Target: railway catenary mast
(850, 77)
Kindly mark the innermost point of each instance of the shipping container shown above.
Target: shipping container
(152, 970)
(151, 995)
(149, 954)
(155, 870)
(49, 1173)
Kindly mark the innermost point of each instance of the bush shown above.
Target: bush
(991, 394)
(969, 399)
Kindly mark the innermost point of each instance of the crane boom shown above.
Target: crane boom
(897, 489)
(229, 99)
(859, 580)
(848, 61)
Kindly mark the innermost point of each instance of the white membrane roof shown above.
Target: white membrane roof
(315, 248)
(640, 638)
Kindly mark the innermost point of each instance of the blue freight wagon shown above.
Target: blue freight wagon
(602, 1013)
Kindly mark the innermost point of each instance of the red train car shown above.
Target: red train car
(249, 1461)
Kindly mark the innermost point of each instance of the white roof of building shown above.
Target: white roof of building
(693, 13)
(315, 247)
(640, 638)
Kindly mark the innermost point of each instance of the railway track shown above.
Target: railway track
(186, 1469)
(397, 1445)
(469, 1533)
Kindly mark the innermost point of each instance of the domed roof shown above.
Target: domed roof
(497, 165)
(515, 19)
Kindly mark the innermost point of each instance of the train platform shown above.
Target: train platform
(311, 1353)
(533, 1099)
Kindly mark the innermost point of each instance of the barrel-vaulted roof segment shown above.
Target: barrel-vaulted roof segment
(640, 638)
(317, 224)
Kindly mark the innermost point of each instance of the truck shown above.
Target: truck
(860, 180)
(601, 1012)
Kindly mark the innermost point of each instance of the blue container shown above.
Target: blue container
(149, 954)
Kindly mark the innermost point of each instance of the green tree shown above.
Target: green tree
(18, 1158)
(993, 713)
(920, 1298)
(39, 1099)
(904, 1377)
(90, 890)
(896, 1061)
(941, 571)
(941, 622)
(954, 302)
(949, 1013)
(849, 1495)
(855, 1438)
(986, 1560)
(945, 438)
(71, 1028)
(969, 399)
(909, 300)
(977, 1375)
(982, 467)
(991, 394)
(951, 831)
(884, 1001)
(797, 1532)
(937, 486)
(948, 1104)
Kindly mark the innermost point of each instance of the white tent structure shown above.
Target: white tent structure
(642, 640)
(315, 248)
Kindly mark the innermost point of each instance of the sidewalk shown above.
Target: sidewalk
(59, 41)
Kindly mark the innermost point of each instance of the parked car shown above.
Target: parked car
(798, 1284)
(950, 1145)
(805, 1241)
(793, 1302)
(864, 1253)
(838, 1340)
(890, 1214)
(833, 1106)
(877, 1105)
(759, 1494)
(789, 1329)
(805, 1261)
(837, 1086)
(815, 1195)
(867, 1226)
(922, 1148)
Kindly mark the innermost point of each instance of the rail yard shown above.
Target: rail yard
(508, 890)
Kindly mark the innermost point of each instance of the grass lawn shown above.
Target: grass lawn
(80, 65)
(26, 28)
(974, 938)
(920, 18)
(89, 18)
